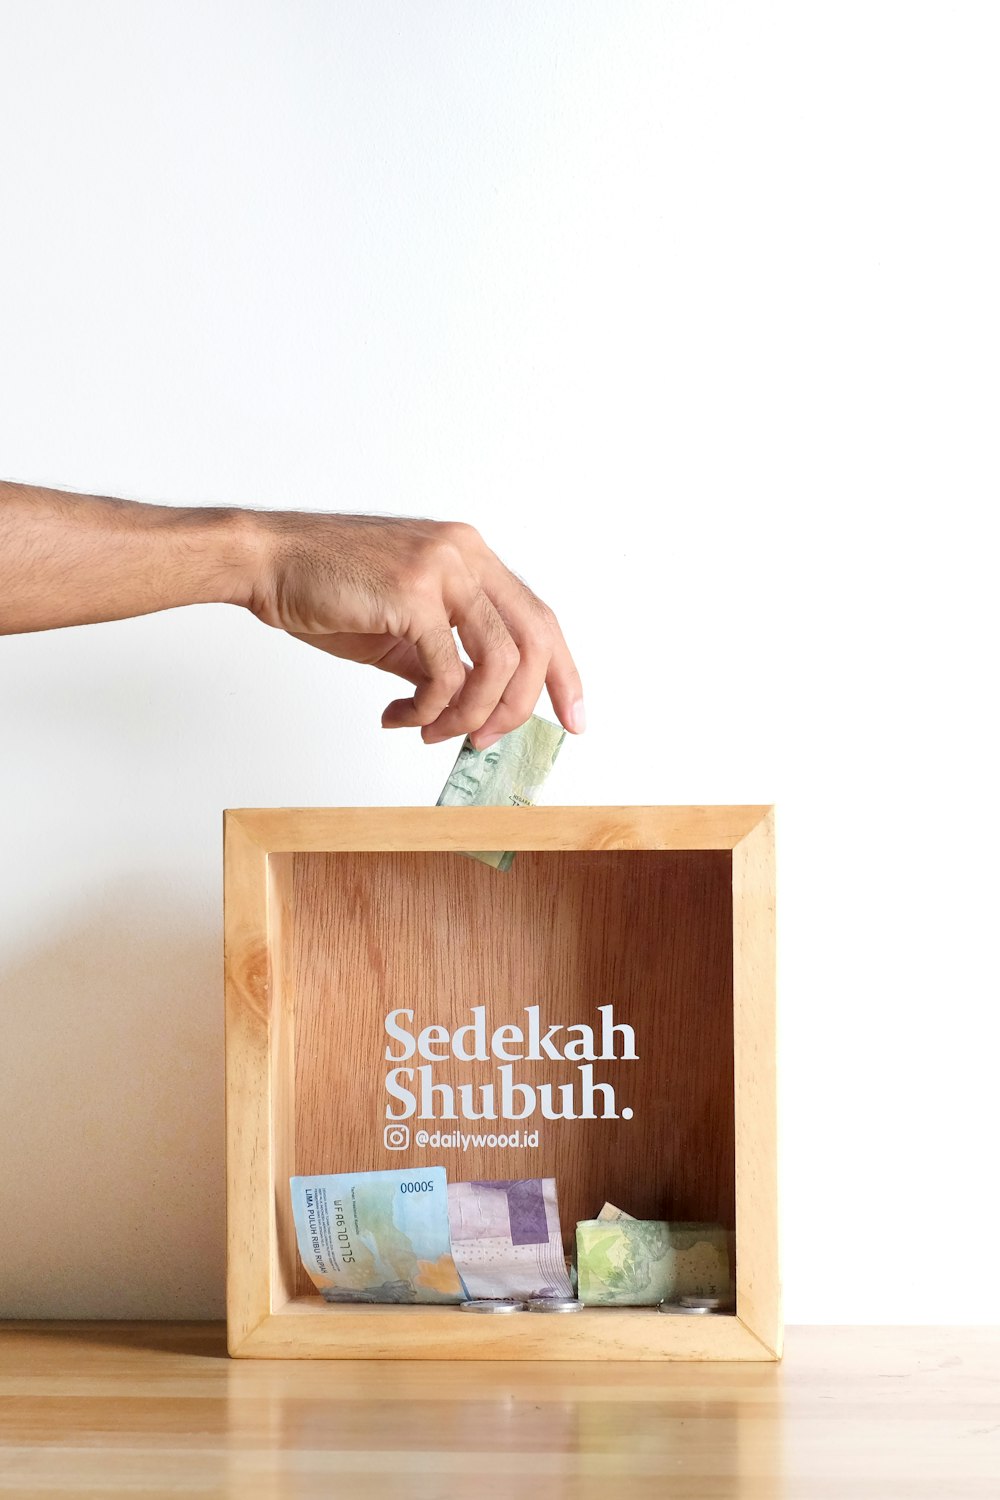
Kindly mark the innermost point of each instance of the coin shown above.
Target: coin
(492, 1305)
(679, 1307)
(555, 1304)
(705, 1304)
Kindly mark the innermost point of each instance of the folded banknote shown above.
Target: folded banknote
(506, 1239)
(508, 774)
(377, 1236)
(638, 1262)
(610, 1214)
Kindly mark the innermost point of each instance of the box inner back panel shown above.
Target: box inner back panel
(648, 932)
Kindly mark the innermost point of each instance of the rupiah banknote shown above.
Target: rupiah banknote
(506, 1238)
(377, 1236)
(508, 774)
(638, 1262)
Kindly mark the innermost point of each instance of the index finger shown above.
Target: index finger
(564, 684)
(495, 658)
(534, 626)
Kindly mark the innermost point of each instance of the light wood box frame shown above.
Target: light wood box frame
(266, 1318)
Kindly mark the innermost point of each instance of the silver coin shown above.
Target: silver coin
(709, 1304)
(678, 1307)
(492, 1305)
(555, 1304)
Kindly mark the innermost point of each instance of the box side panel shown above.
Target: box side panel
(307, 1329)
(281, 1058)
(758, 1270)
(328, 829)
(249, 1194)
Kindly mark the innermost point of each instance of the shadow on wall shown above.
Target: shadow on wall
(112, 1182)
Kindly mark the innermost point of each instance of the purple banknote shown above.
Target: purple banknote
(506, 1240)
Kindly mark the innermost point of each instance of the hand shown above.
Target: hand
(387, 592)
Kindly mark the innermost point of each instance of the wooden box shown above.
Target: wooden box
(336, 917)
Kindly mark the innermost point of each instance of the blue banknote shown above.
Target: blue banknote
(377, 1236)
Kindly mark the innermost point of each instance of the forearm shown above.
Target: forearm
(76, 559)
(388, 591)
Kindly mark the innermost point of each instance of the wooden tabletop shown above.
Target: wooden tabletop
(155, 1409)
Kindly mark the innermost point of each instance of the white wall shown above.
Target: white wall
(693, 310)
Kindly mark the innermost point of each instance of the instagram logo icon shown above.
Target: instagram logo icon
(397, 1137)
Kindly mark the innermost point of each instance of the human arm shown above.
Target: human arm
(385, 591)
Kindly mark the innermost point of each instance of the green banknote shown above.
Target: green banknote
(639, 1262)
(508, 774)
(377, 1236)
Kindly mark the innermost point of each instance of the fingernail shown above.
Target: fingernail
(578, 716)
(490, 739)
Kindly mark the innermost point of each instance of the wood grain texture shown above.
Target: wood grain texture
(330, 924)
(322, 829)
(281, 1078)
(249, 1176)
(308, 1328)
(755, 1043)
(649, 932)
(94, 1411)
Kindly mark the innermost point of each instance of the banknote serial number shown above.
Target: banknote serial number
(416, 1187)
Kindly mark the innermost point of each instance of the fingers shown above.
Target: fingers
(545, 660)
(400, 658)
(495, 659)
(518, 699)
(428, 580)
(495, 699)
(443, 677)
(565, 687)
(400, 713)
